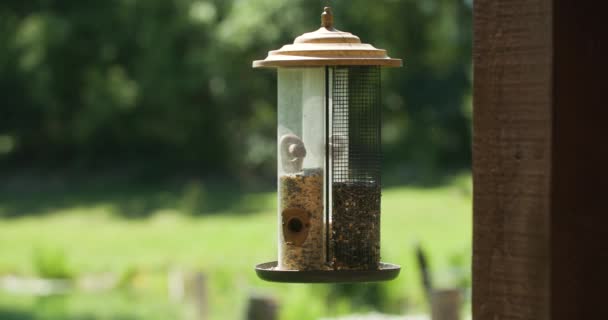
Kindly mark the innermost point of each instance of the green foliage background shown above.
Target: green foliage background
(169, 84)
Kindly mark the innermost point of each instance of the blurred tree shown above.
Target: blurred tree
(169, 83)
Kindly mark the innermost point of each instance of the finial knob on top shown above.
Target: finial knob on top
(326, 46)
(327, 18)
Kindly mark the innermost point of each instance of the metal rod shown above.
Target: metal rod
(327, 167)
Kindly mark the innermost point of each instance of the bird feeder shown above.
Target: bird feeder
(329, 158)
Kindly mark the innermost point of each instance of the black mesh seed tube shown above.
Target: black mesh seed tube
(355, 165)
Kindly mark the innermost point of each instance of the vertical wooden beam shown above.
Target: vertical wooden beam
(540, 160)
(579, 202)
(512, 158)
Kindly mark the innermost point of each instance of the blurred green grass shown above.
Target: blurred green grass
(225, 242)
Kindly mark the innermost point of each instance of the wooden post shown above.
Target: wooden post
(262, 308)
(539, 160)
(176, 285)
(189, 287)
(445, 304)
(579, 220)
(511, 159)
(199, 295)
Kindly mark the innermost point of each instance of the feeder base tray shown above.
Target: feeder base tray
(267, 271)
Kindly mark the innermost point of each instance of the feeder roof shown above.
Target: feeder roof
(327, 47)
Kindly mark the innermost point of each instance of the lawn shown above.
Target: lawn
(142, 233)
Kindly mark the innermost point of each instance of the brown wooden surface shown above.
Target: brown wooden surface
(540, 160)
(579, 220)
(511, 159)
